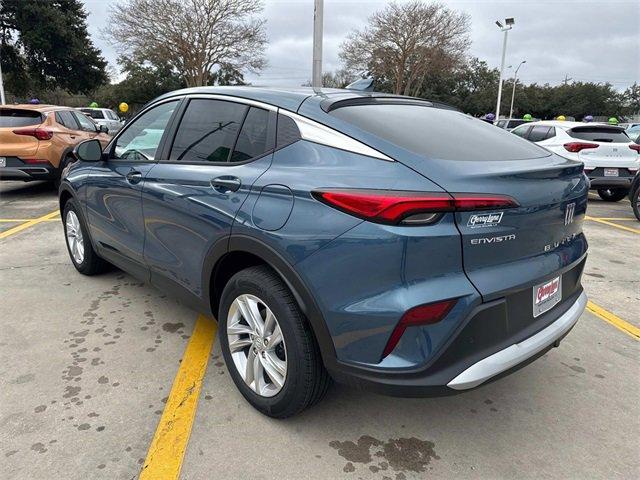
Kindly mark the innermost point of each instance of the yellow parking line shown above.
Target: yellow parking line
(617, 219)
(20, 220)
(614, 320)
(605, 222)
(29, 223)
(164, 459)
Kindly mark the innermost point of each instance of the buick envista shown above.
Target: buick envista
(385, 242)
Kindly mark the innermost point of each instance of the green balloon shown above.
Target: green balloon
(527, 117)
(613, 121)
(93, 105)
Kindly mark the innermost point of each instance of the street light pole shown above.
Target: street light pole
(316, 76)
(2, 99)
(509, 25)
(513, 92)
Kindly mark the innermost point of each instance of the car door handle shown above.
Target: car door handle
(226, 184)
(133, 177)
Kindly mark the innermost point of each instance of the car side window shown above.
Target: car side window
(551, 133)
(539, 133)
(207, 131)
(521, 131)
(66, 119)
(253, 139)
(142, 136)
(85, 124)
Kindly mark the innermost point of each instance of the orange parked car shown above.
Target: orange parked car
(36, 140)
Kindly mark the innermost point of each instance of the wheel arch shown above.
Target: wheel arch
(242, 252)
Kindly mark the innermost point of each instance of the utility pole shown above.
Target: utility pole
(316, 77)
(509, 25)
(566, 79)
(513, 92)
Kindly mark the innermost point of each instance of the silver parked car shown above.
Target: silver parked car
(106, 117)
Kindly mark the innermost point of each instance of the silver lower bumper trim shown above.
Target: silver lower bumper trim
(511, 356)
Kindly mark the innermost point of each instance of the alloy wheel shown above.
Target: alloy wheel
(257, 345)
(75, 239)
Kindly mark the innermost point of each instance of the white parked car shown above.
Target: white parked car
(104, 116)
(611, 159)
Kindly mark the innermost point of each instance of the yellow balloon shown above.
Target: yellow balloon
(123, 107)
(562, 118)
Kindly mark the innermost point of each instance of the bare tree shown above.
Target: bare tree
(403, 43)
(338, 79)
(194, 37)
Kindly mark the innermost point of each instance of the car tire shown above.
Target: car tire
(612, 194)
(635, 203)
(290, 373)
(79, 246)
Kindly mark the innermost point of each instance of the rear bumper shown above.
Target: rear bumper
(494, 340)
(598, 180)
(39, 172)
(518, 353)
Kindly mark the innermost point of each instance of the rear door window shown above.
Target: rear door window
(599, 134)
(253, 139)
(66, 119)
(539, 133)
(15, 117)
(438, 133)
(207, 131)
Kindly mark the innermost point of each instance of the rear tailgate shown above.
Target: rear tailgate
(505, 250)
(611, 147)
(18, 145)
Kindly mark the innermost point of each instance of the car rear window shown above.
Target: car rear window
(439, 133)
(14, 117)
(599, 134)
(97, 114)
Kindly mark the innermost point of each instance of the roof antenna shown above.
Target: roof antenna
(361, 85)
(316, 77)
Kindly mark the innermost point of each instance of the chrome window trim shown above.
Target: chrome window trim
(318, 133)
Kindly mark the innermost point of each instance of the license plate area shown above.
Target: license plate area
(611, 172)
(546, 295)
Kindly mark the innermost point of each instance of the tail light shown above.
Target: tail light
(635, 147)
(408, 208)
(575, 147)
(39, 133)
(427, 314)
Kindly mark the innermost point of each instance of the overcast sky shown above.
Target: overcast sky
(597, 41)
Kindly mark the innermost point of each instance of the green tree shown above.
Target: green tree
(143, 82)
(45, 45)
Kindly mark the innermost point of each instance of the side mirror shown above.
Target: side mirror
(104, 129)
(88, 151)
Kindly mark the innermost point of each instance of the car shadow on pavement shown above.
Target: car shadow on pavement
(13, 190)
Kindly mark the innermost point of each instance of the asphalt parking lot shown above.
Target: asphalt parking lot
(100, 378)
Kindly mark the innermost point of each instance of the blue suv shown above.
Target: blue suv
(386, 242)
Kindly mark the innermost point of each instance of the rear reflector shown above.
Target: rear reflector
(635, 147)
(34, 161)
(427, 314)
(39, 133)
(575, 147)
(415, 208)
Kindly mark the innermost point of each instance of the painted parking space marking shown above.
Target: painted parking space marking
(611, 224)
(617, 219)
(166, 453)
(30, 223)
(614, 320)
(21, 220)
